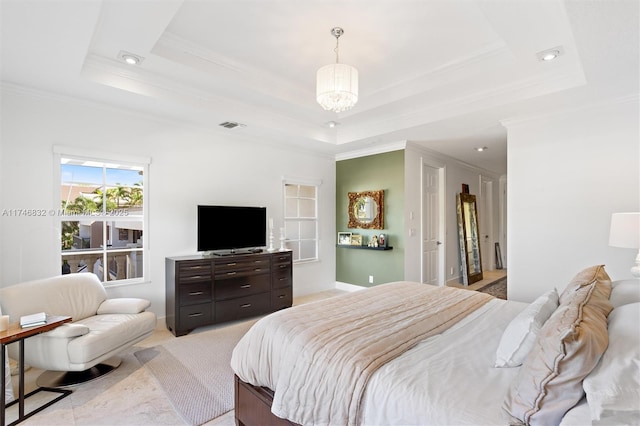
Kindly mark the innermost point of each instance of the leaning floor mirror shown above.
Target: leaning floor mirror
(468, 234)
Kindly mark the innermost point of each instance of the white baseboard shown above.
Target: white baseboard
(348, 287)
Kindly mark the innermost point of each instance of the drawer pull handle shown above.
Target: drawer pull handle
(199, 314)
(231, 264)
(257, 269)
(283, 266)
(196, 293)
(246, 305)
(281, 296)
(231, 273)
(246, 286)
(282, 279)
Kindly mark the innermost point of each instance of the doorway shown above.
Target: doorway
(485, 217)
(433, 247)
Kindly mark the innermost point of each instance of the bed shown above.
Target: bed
(406, 353)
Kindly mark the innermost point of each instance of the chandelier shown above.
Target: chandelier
(337, 84)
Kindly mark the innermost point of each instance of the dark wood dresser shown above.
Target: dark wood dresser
(209, 290)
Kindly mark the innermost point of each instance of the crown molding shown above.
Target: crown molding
(373, 150)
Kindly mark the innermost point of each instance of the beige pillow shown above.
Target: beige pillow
(568, 347)
(593, 274)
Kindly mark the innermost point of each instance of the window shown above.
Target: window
(301, 220)
(102, 218)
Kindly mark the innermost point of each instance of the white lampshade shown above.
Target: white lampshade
(625, 230)
(337, 87)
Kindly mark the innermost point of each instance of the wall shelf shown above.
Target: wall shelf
(365, 247)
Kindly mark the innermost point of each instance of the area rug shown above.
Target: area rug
(497, 288)
(194, 371)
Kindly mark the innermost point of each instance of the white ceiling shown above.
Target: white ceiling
(440, 73)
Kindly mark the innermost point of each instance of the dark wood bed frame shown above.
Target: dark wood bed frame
(253, 406)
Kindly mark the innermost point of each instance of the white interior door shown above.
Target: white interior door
(432, 246)
(485, 219)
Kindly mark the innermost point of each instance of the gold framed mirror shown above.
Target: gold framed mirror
(469, 236)
(366, 209)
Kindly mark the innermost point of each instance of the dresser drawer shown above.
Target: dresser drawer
(193, 316)
(237, 266)
(282, 278)
(194, 267)
(191, 294)
(281, 257)
(243, 307)
(193, 272)
(240, 286)
(281, 298)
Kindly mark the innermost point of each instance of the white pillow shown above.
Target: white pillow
(520, 335)
(123, 305)
(613, 387)
(624, 291)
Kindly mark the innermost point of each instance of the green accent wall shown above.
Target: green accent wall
(371, 173)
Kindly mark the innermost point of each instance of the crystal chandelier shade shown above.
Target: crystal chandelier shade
(337, 84)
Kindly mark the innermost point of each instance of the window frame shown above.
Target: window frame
(290, 219)
(105, 158)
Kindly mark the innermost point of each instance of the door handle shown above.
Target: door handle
(438, 243)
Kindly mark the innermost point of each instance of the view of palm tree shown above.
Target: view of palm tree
(119, 197)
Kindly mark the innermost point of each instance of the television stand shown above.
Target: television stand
(225, 287)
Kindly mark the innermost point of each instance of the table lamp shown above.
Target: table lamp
(625, 232)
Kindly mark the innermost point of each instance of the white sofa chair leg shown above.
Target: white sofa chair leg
(61, 379)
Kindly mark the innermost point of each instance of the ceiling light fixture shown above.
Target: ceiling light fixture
(550, 54)
(130, 58)
(337, 84)
(331, 124)
(481, 148)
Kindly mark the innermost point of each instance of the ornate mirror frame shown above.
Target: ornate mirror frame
(356, 198)
(469, 236)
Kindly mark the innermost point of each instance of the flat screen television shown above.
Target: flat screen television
(228, 229)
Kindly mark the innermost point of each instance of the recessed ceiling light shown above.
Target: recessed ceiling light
(332, 124)
(550, 54)
(130, 58)
(481, 148)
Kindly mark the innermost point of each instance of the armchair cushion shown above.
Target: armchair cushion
(68, 330)
(123, 305)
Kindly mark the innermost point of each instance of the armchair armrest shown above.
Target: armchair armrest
(67, 330)
(123, 305)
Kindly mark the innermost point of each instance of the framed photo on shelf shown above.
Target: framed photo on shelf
(356, 239)
(344, 238)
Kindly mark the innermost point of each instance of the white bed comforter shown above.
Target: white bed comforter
(319, 358)
(448, 379)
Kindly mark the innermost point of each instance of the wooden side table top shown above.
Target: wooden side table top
(15, 332)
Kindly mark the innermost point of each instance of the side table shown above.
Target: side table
(17, 334)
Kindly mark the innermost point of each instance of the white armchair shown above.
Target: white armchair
(84, 348)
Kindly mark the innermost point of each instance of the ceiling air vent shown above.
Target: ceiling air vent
(231, 125)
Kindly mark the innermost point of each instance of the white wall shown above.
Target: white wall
(567, 174)
(189, 166)
(456, 173)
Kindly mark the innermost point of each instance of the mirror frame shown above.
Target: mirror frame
(378, 221)
(465, 272)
